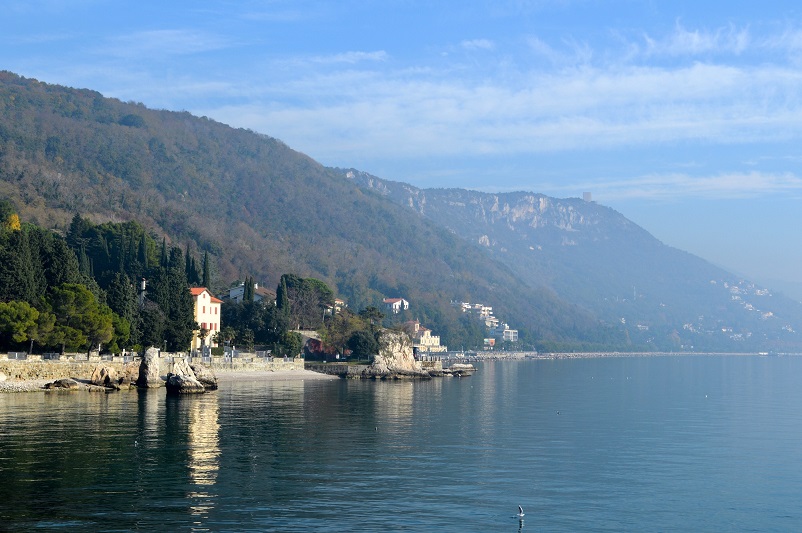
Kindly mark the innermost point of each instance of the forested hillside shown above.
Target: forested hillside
(257, 207)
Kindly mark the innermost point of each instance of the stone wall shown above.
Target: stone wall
(81, 368)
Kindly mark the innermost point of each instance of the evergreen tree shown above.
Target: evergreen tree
(164, 259)
(282, 298)
(248, 295)
(206, 281)
(121, 298)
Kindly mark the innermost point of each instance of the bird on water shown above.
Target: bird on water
(520, 512)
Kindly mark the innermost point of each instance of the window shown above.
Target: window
(204, 310)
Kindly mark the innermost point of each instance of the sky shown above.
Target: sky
(684, 116)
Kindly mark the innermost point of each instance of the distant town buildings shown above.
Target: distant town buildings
(493, 326)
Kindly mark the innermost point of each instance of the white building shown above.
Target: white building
(207, 315)
(396, 305)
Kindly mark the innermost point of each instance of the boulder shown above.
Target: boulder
(205, 375)
(104, 376)
(130, 372)
(3, 377)
(63, 384)
(149, 376)
(178, 384)
(182, 368)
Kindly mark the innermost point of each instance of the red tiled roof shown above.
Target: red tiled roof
(197, 291)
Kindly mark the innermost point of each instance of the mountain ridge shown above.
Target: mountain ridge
(263, 209)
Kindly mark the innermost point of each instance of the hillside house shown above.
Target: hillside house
(396, 305)
(237, 294)
(207, 315)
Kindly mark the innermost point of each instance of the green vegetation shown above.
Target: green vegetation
(245, 203)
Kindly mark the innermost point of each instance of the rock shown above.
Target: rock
(149, 376)
(3, 377)
(130, 372)
(395, 359)
(182, 368)
(104, 376)
(459, 370)
(177, 384)
(205, 375)
(64, 384)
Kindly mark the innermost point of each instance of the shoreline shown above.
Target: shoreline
(234, 376)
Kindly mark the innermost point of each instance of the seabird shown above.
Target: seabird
(520, 511)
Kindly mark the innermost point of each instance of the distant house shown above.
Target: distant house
(339, 305)
(396, 305)
(422, 339)
(207, 315)
(237, 294)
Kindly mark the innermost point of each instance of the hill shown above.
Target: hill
(593, 256)
(569, 274)
(261, 208)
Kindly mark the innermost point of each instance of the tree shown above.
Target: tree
(121, 298)
(18, 319)
(80, 319)
(363, 344)
(372, 315)
(207, 278)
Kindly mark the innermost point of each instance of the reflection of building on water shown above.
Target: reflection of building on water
(203, 442)
(203, 439)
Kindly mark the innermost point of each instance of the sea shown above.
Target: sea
(668, 443)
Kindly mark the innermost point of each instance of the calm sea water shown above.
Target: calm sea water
(616, 444)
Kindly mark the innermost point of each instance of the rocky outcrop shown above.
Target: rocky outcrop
(459, 370)
(104, 376)
(63, 384)
(395, 359)
(190, 379)
(183, 384)
(149, 376)
(205, 376)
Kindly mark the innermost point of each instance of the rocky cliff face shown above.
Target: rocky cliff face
(395, 359)
(586, 256)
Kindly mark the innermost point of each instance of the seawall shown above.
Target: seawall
(80, 367)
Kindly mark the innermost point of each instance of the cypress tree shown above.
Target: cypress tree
(164, 260)
(206, 276)
(282, 298)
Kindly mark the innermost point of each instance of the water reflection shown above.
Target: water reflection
(203, 442)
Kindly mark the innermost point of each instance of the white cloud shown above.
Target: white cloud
(478, 44)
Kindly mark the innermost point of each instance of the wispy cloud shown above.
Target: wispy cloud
(686, 42)
(478, 44)
(673, 186)
(352, 57)
(161, 43)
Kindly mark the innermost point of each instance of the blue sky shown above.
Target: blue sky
(686, 117)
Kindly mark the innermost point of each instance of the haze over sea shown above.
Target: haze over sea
(674, 443)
